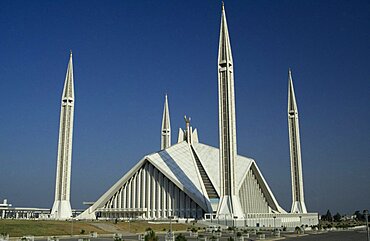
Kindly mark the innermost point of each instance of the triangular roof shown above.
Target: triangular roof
(209, 157)
(177, 163)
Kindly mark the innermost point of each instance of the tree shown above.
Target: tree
(180, 237)
(150, 236)
(337, 217)
(359, 216)
(328, 216)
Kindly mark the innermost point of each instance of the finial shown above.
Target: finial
(187, 120)
(70, 52)
(223, 5)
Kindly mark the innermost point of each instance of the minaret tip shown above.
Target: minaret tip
(223, 5)
(290, 74)
(70, 52)
(166, 126)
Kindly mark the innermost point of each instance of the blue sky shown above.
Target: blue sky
(128, 54)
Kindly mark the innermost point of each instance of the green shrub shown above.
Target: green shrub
(150, 236)
(180, 237)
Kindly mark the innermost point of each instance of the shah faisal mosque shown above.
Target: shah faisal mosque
(190, 179)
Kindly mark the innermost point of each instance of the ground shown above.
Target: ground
(129, 230)
(18, 228)
(332, 236)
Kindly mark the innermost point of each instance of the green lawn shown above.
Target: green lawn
(141, 226)
(18, 228)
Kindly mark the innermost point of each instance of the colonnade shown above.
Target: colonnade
(149, 194)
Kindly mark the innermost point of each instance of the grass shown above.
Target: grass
(18, 228)
(141, 226)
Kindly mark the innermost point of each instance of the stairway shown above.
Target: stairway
(211, 191)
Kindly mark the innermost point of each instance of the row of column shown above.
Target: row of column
(281, 220)
(153, 195)
(18, 214)
(251, 195)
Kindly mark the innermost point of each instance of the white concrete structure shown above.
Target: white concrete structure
(62, 207)
(188, 134)
(298, 204)
(182, 181)
(229, 202)
(197, 181)
(166, 126)
(8, 211)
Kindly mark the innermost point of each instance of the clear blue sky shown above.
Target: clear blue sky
(128, 54)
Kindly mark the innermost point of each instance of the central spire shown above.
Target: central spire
(229, 204)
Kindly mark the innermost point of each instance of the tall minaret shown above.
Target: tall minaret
(62, 206)
(298, 205)
(229, 205)
(166, 126)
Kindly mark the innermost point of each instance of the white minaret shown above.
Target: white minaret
(229, 205)
(62, 206)
(166, 126)
(298, 205)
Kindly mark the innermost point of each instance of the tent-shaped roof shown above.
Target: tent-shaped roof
(178, 164)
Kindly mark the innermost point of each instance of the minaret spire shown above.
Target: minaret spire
(298, 204)
(229, 204)
(62, 206)
(166, 126)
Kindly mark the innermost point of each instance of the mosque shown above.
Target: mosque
(189, 179)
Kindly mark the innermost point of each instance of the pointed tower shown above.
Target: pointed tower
(229, 205)
(166, 126)
(62, 206)
(298, 205)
